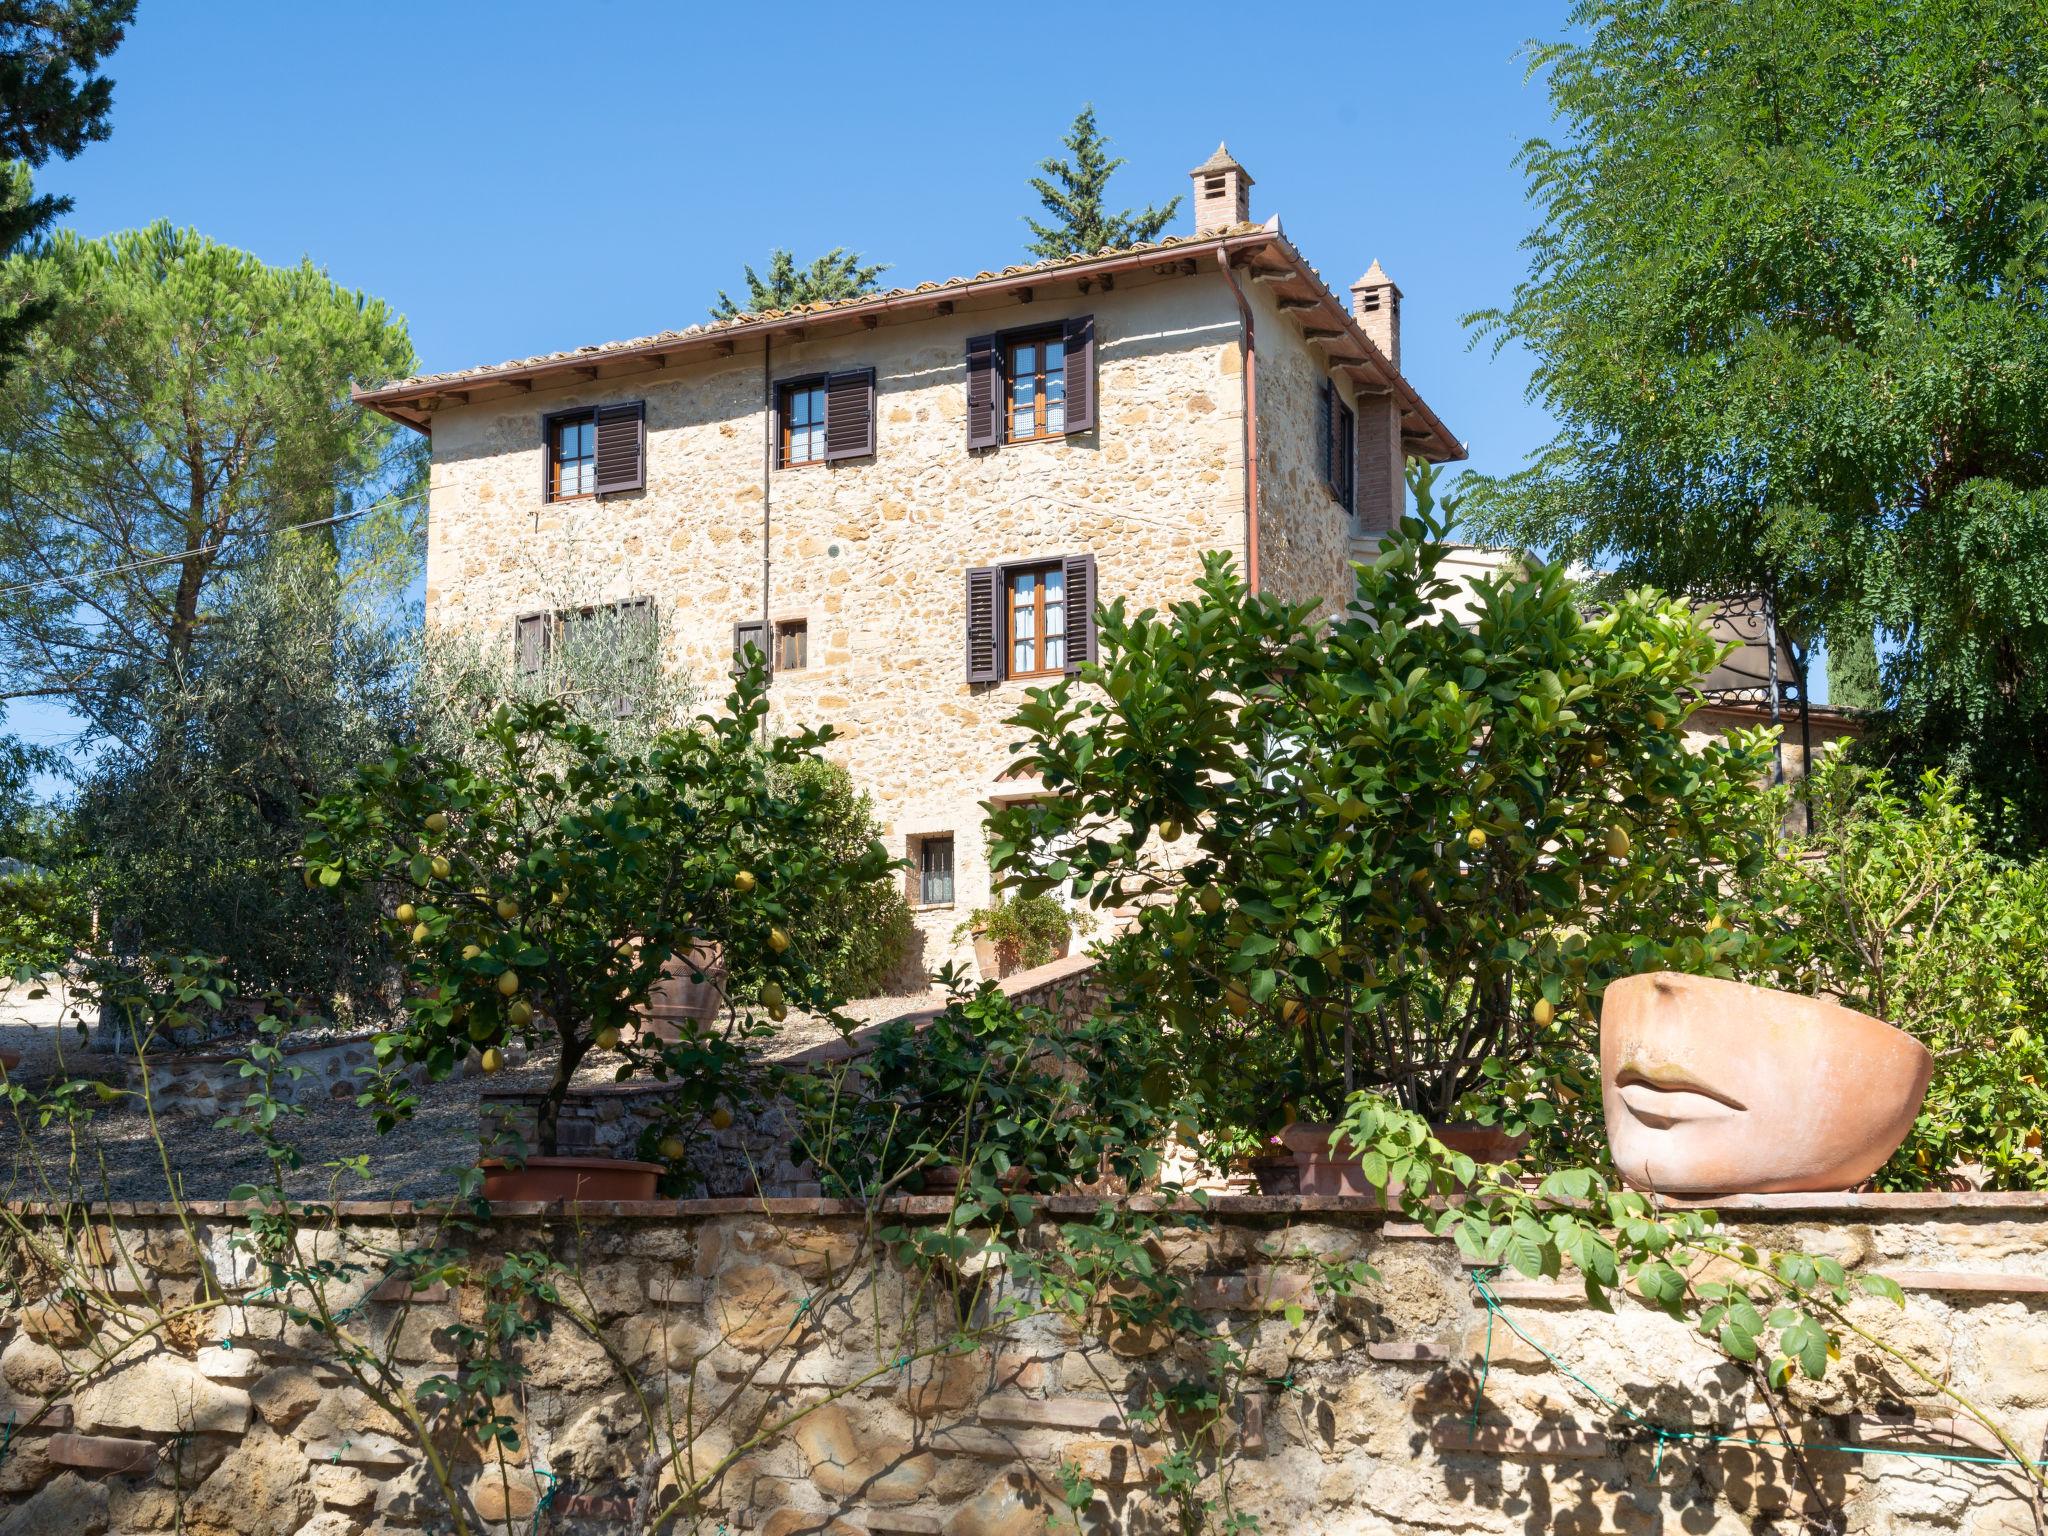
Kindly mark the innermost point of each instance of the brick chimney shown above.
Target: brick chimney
(1223, 193)
(1376, 304)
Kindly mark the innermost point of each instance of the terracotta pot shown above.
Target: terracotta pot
(1279, 1175)
(946, 1179)
(1713, 1087)
(1481, 1143)
(571, 1178)
(676, 998)
(1317, 1170)
(989, 958)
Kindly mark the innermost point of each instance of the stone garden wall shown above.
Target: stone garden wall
(732, 1315)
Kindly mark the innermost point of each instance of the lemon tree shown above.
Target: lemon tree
(1399, 848)
(536, 890)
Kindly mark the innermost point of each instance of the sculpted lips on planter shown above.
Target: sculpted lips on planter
(1713, 1087)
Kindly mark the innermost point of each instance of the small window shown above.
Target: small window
(934, 857)
(803, 422)
(572, 456)
(1036, 383)
(792, 645)
(1037, 620)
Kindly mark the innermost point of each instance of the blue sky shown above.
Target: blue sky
(519, 177)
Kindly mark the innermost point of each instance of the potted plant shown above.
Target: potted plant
(1020, 932)
(546, 885)
(1400, 850)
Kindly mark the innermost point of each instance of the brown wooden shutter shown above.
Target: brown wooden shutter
(621, 447)
(984, 625)
(1326, 432)
(1080, 598)
(1080, 358)
(530, 642)
(849, 414)
(983, 394)
(745, 633)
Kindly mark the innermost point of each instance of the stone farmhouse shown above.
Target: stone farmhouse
(911, 501)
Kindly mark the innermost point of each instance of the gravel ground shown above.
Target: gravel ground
(117, 1156)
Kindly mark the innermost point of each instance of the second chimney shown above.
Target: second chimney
(1223, 193)
(1376, 305)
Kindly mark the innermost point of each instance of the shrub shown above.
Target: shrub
(859, 940)
(1387, 850)
(1026, 930)
(1895, 905)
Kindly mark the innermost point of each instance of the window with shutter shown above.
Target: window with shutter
(569, 455)
(1326, 425)
(621, 447)
(1031, 618)
(800, 424)
(792, 645)
(931, 879)
(1345, 483)
(981, 392)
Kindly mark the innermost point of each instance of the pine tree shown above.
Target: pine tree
(1072, 193)
(838, 274)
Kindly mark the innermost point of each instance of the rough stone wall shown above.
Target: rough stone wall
(1305, 548)
(1366, 1419)
(869, 553)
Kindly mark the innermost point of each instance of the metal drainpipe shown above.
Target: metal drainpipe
(1251, 424)
(767, 472)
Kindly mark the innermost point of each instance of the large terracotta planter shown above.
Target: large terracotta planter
(1318, 1170)
(995, 961)
(571, 1178)
(678, 998)
(1713, 1087)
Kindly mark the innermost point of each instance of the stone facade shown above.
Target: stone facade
(1396, 1410)
(870, 554)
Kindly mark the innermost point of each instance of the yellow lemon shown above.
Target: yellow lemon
(405, 912)
(771, 996)
(441, 867)
(471, 951)
(1169, 831)
(1617, 842)
(421, 933)
(1597, 758)
(437, 823)
(777, 1012)
(507, 908)
(1292, 1012)
(1211, 900)
(520, 1013)
(671, 1148)
(1476, 839)
(1657, 720)
(721, 1119)
(778, 940)
(493, 1059)
(1543, 1012)
(744, 881)
(508, 983)
(607, 1039)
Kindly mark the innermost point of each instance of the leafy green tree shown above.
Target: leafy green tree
(1855, 681)
(1072, 190)
(1788, 301)
(184, 402)
(860, 938)
(1900, 910)
(540, 897)
(838, 274)
(1399, 850)
(51, 103)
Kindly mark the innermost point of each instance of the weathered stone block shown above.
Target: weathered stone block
(287, 1394)
(67, 1506)
(261, 1489)
(162, 1394)
(345, 1488)
(887, 1471)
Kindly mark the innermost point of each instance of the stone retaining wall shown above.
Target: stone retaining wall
(210, 1082)
(1366, 1418)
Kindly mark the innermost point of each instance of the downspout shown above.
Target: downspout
(1251, 424)
(767, 476)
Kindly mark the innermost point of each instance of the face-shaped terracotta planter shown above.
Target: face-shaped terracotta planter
(1715, 1088)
